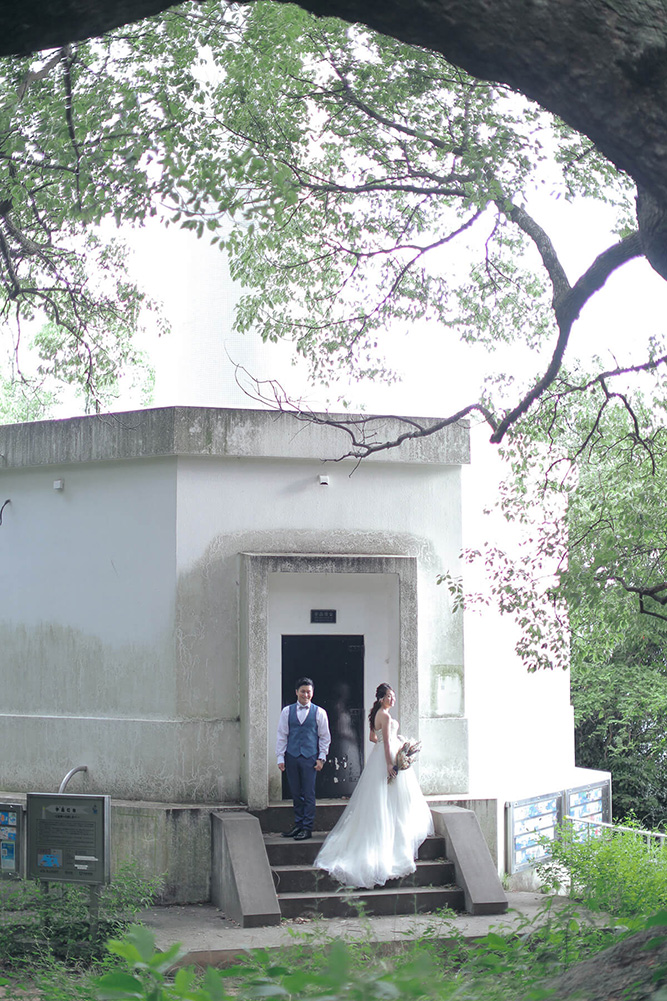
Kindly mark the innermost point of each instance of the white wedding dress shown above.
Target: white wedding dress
(379, 833)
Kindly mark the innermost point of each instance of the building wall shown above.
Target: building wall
(525, 718)
(124, 613)
(120, 601)
(86, 625)
(521, 723)
(229, 506)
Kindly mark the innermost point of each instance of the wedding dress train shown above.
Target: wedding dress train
(379, 833)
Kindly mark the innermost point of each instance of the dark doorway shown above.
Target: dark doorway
(336, 665)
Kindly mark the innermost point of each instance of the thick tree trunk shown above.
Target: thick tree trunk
(599, 64)
(29, 25)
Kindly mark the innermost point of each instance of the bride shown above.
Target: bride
(387, 818)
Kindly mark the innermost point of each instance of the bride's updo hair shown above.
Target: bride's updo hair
(380, 693)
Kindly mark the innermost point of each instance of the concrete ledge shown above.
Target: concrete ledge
(167, 840)
(241, 879)
(467, 849)
(209, 431)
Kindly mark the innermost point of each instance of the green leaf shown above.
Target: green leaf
(119, 985)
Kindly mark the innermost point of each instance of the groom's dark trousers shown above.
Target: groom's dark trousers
(300, 761)
(301, 776)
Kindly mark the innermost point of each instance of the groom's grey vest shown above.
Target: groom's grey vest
(303, 740)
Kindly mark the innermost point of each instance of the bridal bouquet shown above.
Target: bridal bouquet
(407, 753)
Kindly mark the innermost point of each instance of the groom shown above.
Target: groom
(301, 748)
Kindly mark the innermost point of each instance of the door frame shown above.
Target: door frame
(336, 780)
(256, 740)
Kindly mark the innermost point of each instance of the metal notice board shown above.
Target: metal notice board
(588, 803)
(68, 838)
(12, 841)
(531, 825)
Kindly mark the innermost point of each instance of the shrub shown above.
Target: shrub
(496, 967)
(618, 871)
(41, 919)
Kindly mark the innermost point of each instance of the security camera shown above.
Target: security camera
(324, 481)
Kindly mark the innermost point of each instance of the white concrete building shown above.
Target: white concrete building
(166, 575)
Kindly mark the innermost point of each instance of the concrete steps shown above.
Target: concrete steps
(347, 904)
(304, 891)
(305, 879)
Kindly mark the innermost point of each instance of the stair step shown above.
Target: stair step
(303, 891)
(286, 851)
(433, 848)
(305, 879)
(403, 900)
(279, 817)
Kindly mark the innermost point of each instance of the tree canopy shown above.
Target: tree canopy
(354, 168)
(358, 184)
(349, 163)
(72, 133)
(376, 185)
(601, 68)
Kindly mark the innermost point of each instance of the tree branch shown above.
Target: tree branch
(363, 437)
(567, 300)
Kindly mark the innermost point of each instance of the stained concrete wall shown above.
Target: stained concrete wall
(87, 651)
(123, 626)
(119, 635)
(266, 506)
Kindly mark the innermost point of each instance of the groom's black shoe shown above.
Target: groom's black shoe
(291, 834)
(303, 835)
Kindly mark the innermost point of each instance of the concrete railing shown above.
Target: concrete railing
(475, 871)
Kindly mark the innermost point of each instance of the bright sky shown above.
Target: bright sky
(194, 363)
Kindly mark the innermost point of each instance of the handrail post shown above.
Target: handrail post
(71, 772)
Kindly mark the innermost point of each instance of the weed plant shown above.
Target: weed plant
(499, 967)
(618, 872)
(435, 963)
(40, 922)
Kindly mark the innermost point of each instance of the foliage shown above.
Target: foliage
(586, 549)
(620, 872)
(375, 187)
(39, 919)
(52, 980)
(435, 962)
(621, 725)
(23, 401)
(73, 127)
(360, 186)
(497, 966)
(358, 172)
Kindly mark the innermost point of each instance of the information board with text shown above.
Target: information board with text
(68, 837)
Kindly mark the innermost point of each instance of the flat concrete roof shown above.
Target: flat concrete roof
(236, 433)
